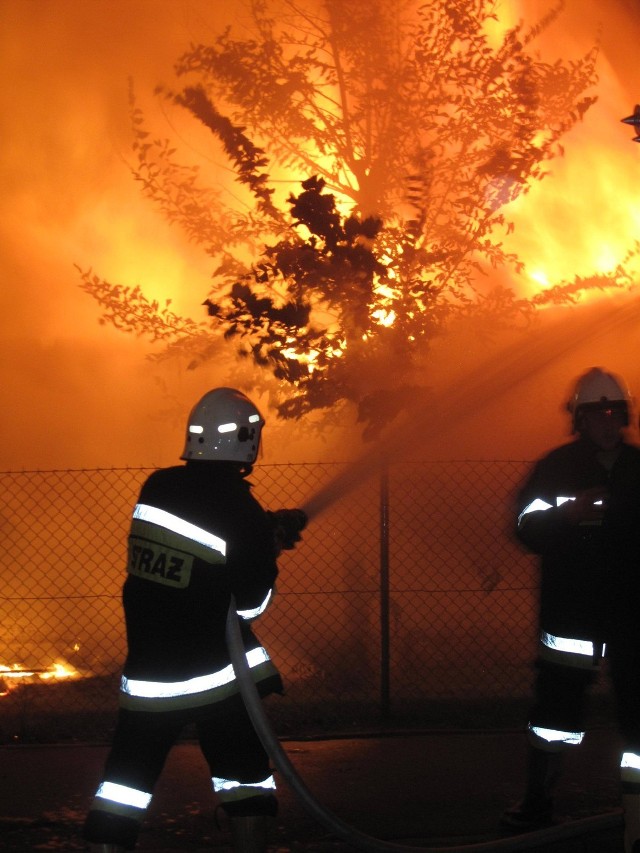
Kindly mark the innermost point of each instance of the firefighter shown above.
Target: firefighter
(197, 537)
(580, 511)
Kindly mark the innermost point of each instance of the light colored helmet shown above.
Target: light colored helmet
(598, 389)
(224, 426)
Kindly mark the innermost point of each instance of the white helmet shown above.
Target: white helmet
(597, 389)
(223, 426)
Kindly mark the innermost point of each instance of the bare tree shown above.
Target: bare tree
(409, 128)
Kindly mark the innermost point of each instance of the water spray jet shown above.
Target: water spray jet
(486, 383)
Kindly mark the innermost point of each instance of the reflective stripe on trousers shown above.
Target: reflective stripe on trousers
(229, 790)
(630, 778)
(131, 803)
(575, 654)
(553, 740)
(630, 768)
(121, 800)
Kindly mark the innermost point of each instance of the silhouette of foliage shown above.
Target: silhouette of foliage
(128, 309)
(409, 128)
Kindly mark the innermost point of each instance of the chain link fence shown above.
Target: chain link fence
(408, 603)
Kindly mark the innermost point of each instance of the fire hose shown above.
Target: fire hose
(487, 382)
(349, 834)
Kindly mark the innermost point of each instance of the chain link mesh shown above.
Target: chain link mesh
(411, 604)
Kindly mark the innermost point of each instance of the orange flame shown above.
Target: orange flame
(14, 675)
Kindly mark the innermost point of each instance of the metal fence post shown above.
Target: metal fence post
(384, 590)
(62, 642)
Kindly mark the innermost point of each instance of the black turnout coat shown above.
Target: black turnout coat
(198, 535)
(590, 574)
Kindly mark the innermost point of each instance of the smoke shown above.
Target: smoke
(78, 394)
(501, 376)
(74, 393)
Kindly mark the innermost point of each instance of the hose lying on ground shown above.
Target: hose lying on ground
(350, 835)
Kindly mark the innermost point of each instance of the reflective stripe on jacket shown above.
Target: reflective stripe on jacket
(566, 651)
(197, 537)
(141, 695)
(585, 568)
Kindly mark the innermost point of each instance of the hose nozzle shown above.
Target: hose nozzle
(288, 524)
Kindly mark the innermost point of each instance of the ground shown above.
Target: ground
(423, 789)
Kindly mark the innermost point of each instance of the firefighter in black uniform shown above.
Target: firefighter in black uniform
(580, 511)
(197, 537)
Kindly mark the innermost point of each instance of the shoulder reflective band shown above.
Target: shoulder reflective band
(162, 518)
(630, 767)
(556, 736)
(171, 689)
(251, 614)
(123, 795)
(226, 785)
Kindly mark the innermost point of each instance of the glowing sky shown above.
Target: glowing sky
(77, 394)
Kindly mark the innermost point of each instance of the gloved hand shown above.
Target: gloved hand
(287, 526)
(587, 507)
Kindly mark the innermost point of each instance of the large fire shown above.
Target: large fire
(70, 198)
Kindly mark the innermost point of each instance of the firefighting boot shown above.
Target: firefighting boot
(535, 810)
(249, 833)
